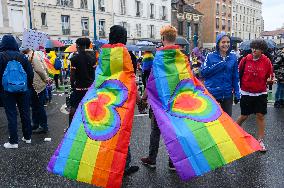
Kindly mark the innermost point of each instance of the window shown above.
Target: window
(224, 10)
(229, 25)
(85, 26)
(138, 13)
(223, 24)
(164, 17)
(122, 7)
(217, 23)
(84, 4)
(152, 10)
(196, 29)
(152, 31)
(243, 27)
(237, 8)
(217, 8)
(124, 24)
(65, 22)
(138, 30)
(43, 19)
(102, 5)
(180, 9)
(102, 29)
(65, 3)
(180, 28)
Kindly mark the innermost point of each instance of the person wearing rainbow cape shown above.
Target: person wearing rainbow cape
(199, 136)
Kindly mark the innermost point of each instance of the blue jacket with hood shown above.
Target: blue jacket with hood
(221, 73)
(9, 45)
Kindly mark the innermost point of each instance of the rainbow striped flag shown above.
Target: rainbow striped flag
(198, 135)
(50, 68)
(147, 61)
(95, 147)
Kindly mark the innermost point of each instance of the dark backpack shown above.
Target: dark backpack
(14, 79)
(57, 64)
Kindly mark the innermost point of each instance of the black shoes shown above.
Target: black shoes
(131, 170)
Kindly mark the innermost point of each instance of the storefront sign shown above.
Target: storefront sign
(188, 17)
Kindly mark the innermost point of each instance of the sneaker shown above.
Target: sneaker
(27, 141)
(148, 162)
(131, 170)
(10, 146)
(40, 130)
(263, 149)
(171, 166)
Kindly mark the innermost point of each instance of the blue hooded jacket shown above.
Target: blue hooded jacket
(10, 47)
(221, 74)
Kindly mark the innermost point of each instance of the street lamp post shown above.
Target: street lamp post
(94, 15)
(30, 14)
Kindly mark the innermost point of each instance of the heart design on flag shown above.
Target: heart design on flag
(191, 101)
(100, 117)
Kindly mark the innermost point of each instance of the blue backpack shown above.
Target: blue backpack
(57, 64)
(14, 79)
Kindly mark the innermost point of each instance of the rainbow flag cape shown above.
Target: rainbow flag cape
(198, 135)
(50, 68)
(147, 61)
(95, 147)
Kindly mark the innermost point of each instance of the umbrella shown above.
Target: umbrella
(132, 47)
(246, 44)
(236, 40)
(145, 43)
(100, 42)
(53, 44)
(71, 48)
(148, 48)
(181, 41)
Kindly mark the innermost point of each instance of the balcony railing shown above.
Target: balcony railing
(66, 31)
(138, 14)
(85, 33)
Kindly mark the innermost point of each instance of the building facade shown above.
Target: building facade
(188, 22)
(67, 20)
(217, 18)
(276, 35)
(143, 19)
(247, 21)
(13, 17)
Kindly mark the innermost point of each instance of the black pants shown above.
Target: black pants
(56, 77)
(226, 104)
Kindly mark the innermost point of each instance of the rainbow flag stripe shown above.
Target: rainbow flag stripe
(50, 68)
(147, 61)
(198, 135)
(95, 147)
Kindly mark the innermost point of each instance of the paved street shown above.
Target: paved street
(26, 166)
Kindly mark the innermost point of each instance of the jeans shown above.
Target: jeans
(279, 92)
(38, 112)
(22, 100)
(56, 77)
(226, 105)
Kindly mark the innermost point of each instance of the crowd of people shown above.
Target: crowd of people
(25, 83)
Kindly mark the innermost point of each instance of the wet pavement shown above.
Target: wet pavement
(26, 166)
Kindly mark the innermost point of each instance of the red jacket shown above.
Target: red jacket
(255, 73)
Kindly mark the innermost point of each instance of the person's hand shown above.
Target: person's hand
(236, 100)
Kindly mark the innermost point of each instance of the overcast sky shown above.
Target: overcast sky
(273, 14)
